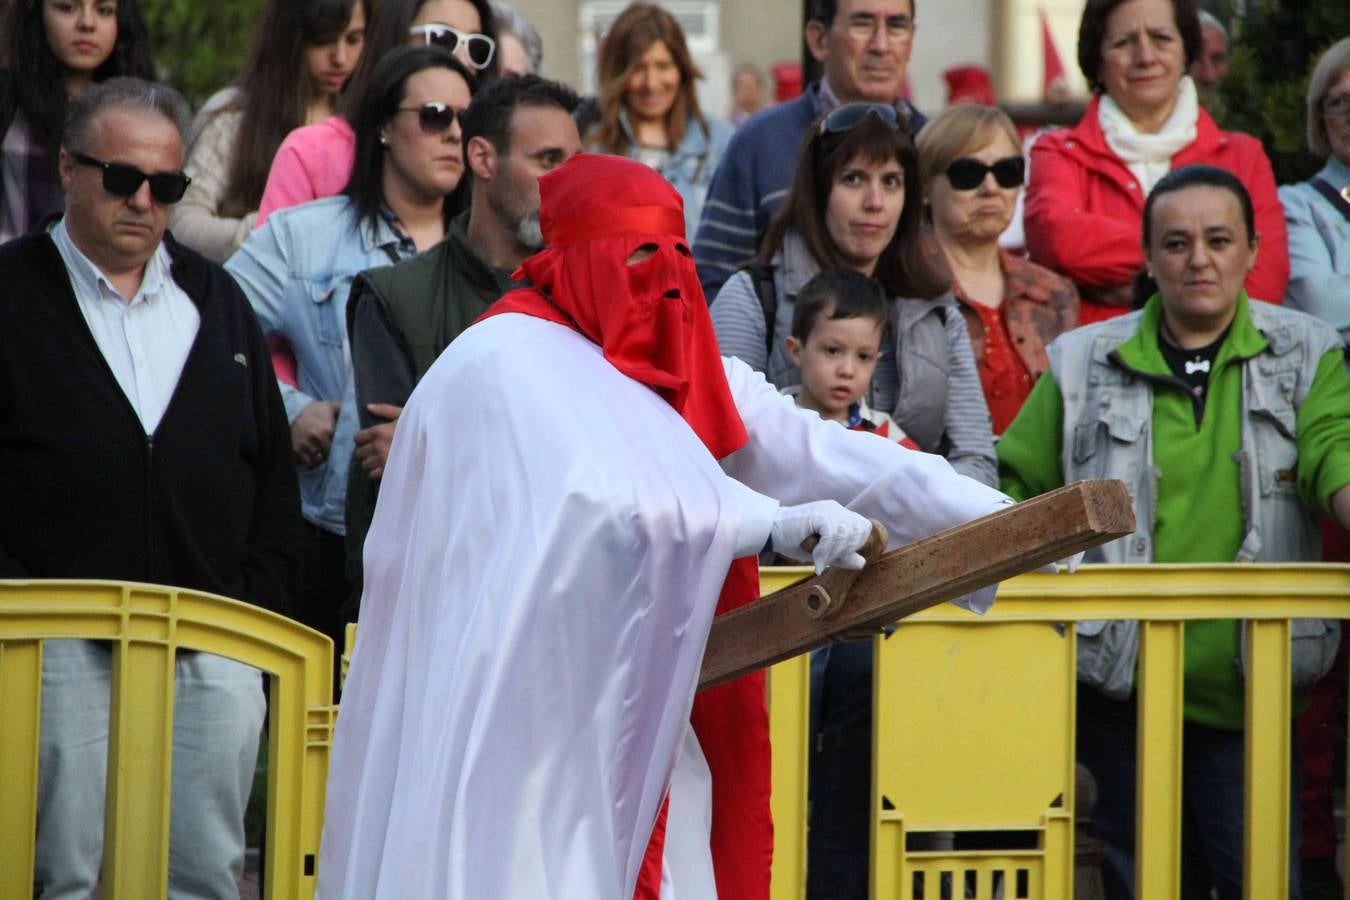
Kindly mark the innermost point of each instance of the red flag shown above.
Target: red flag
(1055, 86)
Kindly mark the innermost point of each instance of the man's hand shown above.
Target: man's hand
(372, 444)
(312, 432)
(841, 531)
(1340, 506)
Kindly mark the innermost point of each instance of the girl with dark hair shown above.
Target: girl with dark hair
(316, 160)
(855, 202)
(305, 52)
(297, 271)
(1088, 182)
(55, 49)
(649, 108)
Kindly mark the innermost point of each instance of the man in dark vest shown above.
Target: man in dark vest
(401, 317)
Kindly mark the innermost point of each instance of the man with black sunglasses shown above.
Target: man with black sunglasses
(864, 47)
(142, 438)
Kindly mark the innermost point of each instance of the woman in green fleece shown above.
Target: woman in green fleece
(1229, 421)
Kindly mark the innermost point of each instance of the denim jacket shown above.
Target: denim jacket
(1319, 249)
(1108, 433)
(690, 166)
(296, 271)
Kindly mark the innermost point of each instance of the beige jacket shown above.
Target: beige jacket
(196, 220)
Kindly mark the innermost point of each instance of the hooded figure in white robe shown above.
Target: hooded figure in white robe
(552, 534)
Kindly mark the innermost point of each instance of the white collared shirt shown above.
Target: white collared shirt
(146, 339)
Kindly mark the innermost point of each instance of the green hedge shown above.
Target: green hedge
(1275, 48)
(200, 47)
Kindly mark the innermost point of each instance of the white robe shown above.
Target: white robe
(541, 574)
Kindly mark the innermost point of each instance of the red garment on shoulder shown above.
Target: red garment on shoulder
(651, 320)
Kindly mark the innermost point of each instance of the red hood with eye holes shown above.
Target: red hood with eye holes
(650, 318)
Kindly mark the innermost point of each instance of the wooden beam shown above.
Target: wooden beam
(947, 565)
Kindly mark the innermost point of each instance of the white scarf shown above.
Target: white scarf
(1149, 156)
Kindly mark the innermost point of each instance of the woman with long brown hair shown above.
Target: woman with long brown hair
(315, 161)
(53, 50)
(303, 56)
(855, 202)
(649, 107)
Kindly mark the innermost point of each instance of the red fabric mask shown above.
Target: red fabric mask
(649, 317)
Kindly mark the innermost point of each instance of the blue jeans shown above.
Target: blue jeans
(218, 715)
(1212, 792)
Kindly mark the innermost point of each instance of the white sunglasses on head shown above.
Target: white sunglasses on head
(478, 48)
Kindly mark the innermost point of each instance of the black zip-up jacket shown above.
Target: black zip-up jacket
(208, 502)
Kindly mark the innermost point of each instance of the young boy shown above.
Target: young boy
(837, 326)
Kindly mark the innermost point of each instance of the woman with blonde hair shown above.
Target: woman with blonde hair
(1317, 211)
(972, 169)
(649, 108)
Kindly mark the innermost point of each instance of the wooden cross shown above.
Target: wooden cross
(947, 565)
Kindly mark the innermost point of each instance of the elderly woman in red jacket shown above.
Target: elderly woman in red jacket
(1086, 193)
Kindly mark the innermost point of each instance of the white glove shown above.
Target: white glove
(1069, 563)
(842, 532)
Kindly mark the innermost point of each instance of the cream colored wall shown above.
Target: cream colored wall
(1021, 64)
(557, 24)
(950, 33)
(1002, 35)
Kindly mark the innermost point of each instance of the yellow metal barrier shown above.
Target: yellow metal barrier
(146, 626)
(974, 728)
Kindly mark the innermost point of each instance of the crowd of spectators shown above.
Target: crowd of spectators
(368, 186)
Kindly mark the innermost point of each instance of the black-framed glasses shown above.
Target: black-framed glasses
(125, 181)
(845, 118)
(433, 118)
(477, 47)
(1336, 105)
(966, 174)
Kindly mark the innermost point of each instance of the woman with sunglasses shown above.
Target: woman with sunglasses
(1085, 198)
(298, 268)
(304, 53)
(315, 161)
(972, 169)
(855, 203)
(53, 50)
(649, 108)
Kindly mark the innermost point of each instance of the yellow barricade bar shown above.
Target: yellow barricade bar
(146, 626)
(1163, 598)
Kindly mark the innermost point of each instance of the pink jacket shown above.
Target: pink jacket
(313, 162)
(1084, 208)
